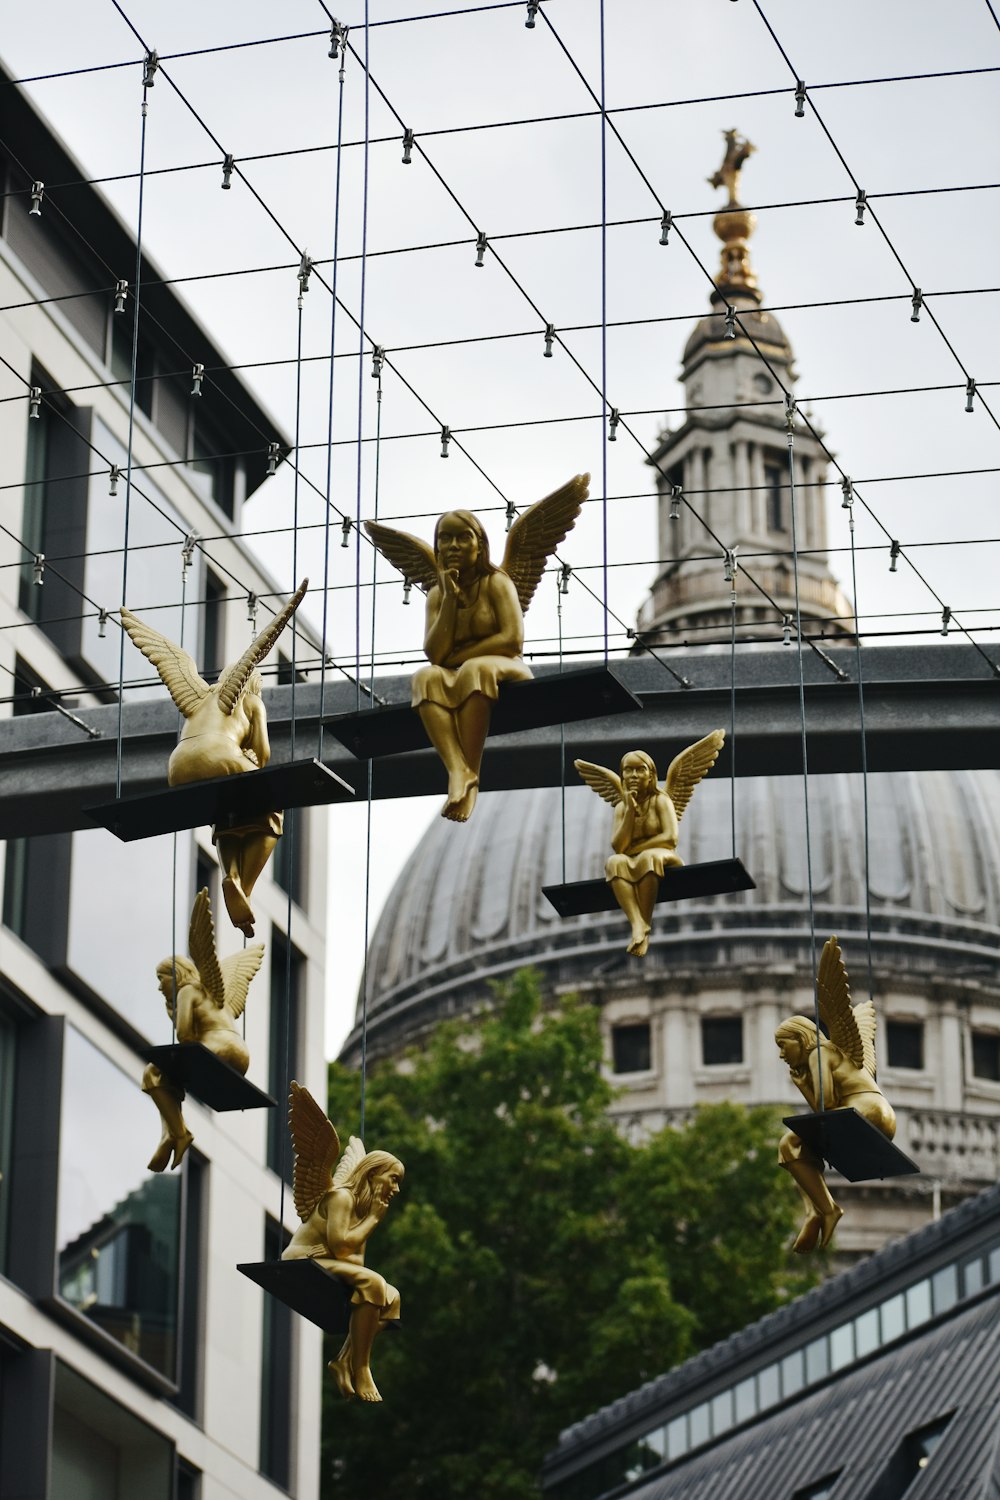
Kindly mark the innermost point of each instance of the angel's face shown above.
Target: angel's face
(792, 1049)
(636, 776)
(386, 1183)
(457, 544)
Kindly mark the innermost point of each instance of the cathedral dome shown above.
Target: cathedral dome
(469, 905)
(763, 327)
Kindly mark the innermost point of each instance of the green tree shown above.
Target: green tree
(546, 1265)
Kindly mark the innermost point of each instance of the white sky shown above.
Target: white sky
(486, 67)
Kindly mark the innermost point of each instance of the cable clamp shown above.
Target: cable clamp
(564, 577)
(102, 623)
(861, 203)
(917, 302)
(228, 168)
(800, 98)
(445, 440)
(121, 292)
(945, 620)
(37, 194)
(790, 412)
(481, 243)
(407, 587)
(666, 224)
(197, 376)
(378, 359)
(252, 608)
(550, 333)
(113, 477)
(529, 20)
(675, 502)
(303, 274)
(38, 569)
(970, 391)
(273, 457)
(732, 566)
(894, 554)
(338, 39)
(187, 552)
(847, 486)
(345, 531)
(149, 68)
(409, 141)
(511, 514)
(613, 421)
(730, 321)
(786, 630)
(34, 403)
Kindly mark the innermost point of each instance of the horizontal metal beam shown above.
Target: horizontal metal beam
(926, 708)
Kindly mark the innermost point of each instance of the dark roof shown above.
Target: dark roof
(858, 1422)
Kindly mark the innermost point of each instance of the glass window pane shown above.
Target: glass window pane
(722, 1412)
(972, 1277)
(721, 1040)
(918, 1304)
(8, 1036)
(100, 1451)
(118, 1223)
(817, 1360)
(677, 1436)
(893, 1318)
(698, 1426)
(842, 1346)
(630, 1048)
(866, 1332)
(768, 1386)
(745, 1399)
(994, 1264)
(792, 1373)
(944, 1288)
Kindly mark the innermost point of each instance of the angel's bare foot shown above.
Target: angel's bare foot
(180, 1147)
(239, 909)
(364, 1386)
(160, 1158)
(640, 941)
(808, 1236)
(463, 789)
(341, 1372)
(830, 1222)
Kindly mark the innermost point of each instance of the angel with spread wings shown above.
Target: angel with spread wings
(205, 996)
(339, 1209)
(224, 733)
(845, 1063)
(644, 836)
(475, 623)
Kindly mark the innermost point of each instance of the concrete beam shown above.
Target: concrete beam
(926, 708)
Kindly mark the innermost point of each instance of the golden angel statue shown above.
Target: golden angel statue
(647, 815)
(339, 1209)
(846, 1065)
(475, 622)
(205, 996)
(224, 734)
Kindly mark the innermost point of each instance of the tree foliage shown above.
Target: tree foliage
(546, 1264)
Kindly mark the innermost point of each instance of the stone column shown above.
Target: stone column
(759, 496)
(694, 480)
(741, 515)
(680, 1046)
(946, 1058)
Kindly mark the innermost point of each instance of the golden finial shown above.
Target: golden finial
(734, 225)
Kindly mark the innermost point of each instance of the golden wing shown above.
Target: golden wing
(353, 1153)
(690, 766)
(201, 946)
(414, 559)
(177, 669)
(235, 678)
(316, 1147)
(536, 534)
(237, 971)
(834, 995)
(600, 780)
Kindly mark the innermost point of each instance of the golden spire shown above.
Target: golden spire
(734, 225)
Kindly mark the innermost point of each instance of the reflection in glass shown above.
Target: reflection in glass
(677, 1436)
(792, 1373)
(893, 1318)
(745, 1399)
(994, 1264)
(768, 1387)
(866, 1334)
(841, 1347)
(972, 1277)
(722, 1412)
(817, 1360)
(918, 1304)
(944, 1288)
(698, 1424)
(118, 1225)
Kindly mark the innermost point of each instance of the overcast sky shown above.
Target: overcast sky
(484, 67)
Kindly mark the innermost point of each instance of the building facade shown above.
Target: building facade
(134, 1359)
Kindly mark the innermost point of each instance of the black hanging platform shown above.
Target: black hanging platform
(224, 801)
(205, 1076)
(682, 883)
(560, 698)
(306, 1288)
(849, 1142)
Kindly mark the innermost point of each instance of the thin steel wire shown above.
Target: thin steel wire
(864, 760)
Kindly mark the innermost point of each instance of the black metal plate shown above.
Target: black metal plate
(223, 800)
(849, 1142)
(306, 1289)
(559, 698)
(207, 1078)
(683, 883)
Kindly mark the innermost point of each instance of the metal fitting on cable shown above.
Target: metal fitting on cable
(613, 421)
(34, 403)
(38, 569)
(149, 68)
(187, 552)
(378, 358)
(800, 98)
(945, 620)
(564, 577)
(113, 478)
(407, 586)
(511, 514)
(338, 39)
(197, 376)
(37, 194)
(675, 502)
(121, 292)
(529, 20)
(252, 608)
(409, 140)
(102, 623)
(847, 487)
(970, 391)
(273, 455)
(893, 556)
(786, 630)
(730, 321)
(345, 532)
(228, 168)
(861, 203)
(732, 566)
(790, 410)
(303, 274)
(666, 224)
(481, 243)
(917, 302)
(445, 440)
(550, 333)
